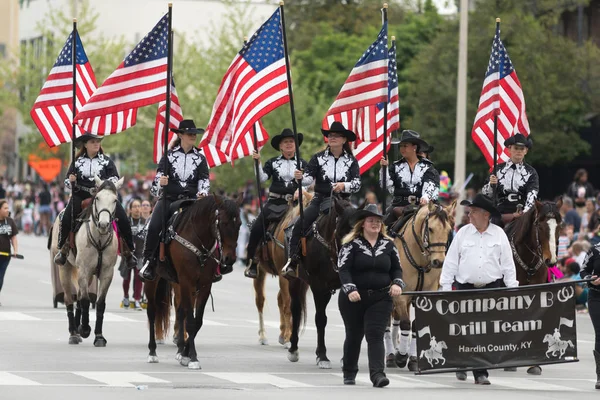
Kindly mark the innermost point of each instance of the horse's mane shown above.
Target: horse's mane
(438, 212)
(292, 212)
(520, 227)
(106, 185)
(206, 205)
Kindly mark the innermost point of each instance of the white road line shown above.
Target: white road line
(529, 384)
(8, 379)
(400, 382)
(258, 378)
(16, 316)
(119, 378)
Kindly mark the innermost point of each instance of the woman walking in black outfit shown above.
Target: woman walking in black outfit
(370, 273)
(591, 269)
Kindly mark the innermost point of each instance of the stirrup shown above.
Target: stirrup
(146, 272)
(250, 272)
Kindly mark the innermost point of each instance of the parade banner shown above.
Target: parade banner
(496, 328)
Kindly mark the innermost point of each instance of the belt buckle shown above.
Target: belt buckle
(479, 285)
(412, 199)
(289, 197)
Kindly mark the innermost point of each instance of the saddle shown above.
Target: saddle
(406, 212)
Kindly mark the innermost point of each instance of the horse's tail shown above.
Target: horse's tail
(162, 304)
(49, 245)
(298, 289)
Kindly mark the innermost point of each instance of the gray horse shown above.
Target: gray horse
(95, 255)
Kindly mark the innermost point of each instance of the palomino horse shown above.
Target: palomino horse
(273, 264)
(533, 238)
(97, 246)
(195, 254)
(319, 272)
(421, 243)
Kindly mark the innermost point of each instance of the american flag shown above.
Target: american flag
(215, 157)
(366, 86)
(369, 153)
(140, 80)
(501, 95)
(159, 126)
(254, 85)
(52, 111)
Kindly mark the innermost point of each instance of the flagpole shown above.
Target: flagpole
(73, 126)
(291, 95)
(166, 129)
(258, 186)
(496, 112)
(385, 125)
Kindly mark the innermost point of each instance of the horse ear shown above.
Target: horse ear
(98, 181)
(218, 200)
(120, 183)
(450, 209)
(431, 206)
(559, 204)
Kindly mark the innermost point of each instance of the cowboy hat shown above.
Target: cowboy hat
(370, 210)
(79, 141)
(482, 201)
(338, 127)
(413, 137)
(427, 149)
(518, 139)
(188, 126)
(286, 133)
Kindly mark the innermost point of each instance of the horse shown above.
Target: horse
(555, 346)
(95, 255)
(434, 354)
(422, 244)
(272, 263)
(533, 239)
(195, 254)
(318, 271)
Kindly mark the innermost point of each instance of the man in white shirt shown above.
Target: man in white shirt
(479, 257)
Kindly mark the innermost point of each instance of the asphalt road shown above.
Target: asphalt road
(36, 361)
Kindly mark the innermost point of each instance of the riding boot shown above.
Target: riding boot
(63, 252)
(251, 269)
(148, 271)
(125, 231)
(63, 247)
(597, 359)
(290, 270)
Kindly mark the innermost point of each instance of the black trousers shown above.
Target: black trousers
(468, 286)
(75, 204)
(257, 232)
(154, 228)
(368, 318)
(311, 213)
(594, 311)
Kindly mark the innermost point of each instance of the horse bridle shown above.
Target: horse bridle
(531, 271)
(204, 253)
(427, 249)
(98, 245)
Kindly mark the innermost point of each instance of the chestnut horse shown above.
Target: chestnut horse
(195, 254)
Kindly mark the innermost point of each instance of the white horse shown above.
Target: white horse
(555, 346)
(434, 354)
(96, 254)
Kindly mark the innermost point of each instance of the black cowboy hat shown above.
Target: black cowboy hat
(370, 210)
(188, 126)
(338, 127)
(518, 139)
(413, 137)
(482, 201)
(286, 133)
(79, 141)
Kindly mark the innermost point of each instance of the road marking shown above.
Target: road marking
(400, 381)
(258, 378)
(529, 384)
(8, 379)
(16, 316)
(120, 378)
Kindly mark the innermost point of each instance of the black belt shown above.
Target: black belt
(495, 284)
(369, 292)
(286, 197)
(182, 196)
(409, 199)
(91, 190)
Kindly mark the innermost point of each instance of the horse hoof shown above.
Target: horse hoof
(511, 369)
(401, 359)
(293, 356)
(152, 359)
(536, 370)
(194, 365)
(185, 361)
(287, 345)
(160, 341)
(99, 341)
(178, 357)
(84, 331)
(263, 341)
(390, 361)
(325, 364)
(413, 364)
(73, 339)
(79, 338)
(281, 340)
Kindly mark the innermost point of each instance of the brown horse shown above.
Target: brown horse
(318, 271)
(272, 263)
(195, 254)
(533, 238)
(422, 244)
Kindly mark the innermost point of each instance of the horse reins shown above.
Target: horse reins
(425, 247)
(98, 245)
(203, 253)
(531, 271)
